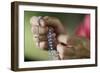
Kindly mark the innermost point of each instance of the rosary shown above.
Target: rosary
(53, 54)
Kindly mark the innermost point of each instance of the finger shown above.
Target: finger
(43, 45)
(37, 21)
(65, 52)
(60, 50)
(42, 23)
(39, 30)
(55, 23)
(40, 37)
(34, 21)
(62, 38)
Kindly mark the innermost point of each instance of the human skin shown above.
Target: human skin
(65, 45)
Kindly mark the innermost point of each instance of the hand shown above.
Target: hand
(65, 47)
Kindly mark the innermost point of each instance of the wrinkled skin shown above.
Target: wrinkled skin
(67, 47)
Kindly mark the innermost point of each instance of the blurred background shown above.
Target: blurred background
(31, 52)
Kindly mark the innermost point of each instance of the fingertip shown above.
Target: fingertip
(37, 21)
(62, 38)
(40, 44)
(33, 20)
(60, 48)
(42, 23)
(43, 45)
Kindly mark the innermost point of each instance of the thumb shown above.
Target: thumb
(55, 23)
(63, 39)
